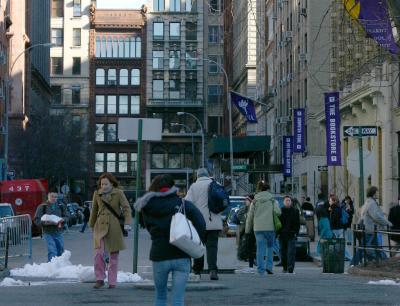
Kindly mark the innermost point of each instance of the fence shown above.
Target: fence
(369, 246)
(15, 237)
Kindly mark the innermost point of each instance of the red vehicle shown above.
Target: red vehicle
(24, 196)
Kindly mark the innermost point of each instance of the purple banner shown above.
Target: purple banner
(332, 121)
(245, 106)
(374, 17)
(287, 155)
(299, 130)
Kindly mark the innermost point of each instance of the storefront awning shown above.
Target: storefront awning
(242, 146)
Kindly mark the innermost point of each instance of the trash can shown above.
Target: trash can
(332, 255)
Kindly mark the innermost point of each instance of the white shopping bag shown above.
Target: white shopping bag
(184, 236)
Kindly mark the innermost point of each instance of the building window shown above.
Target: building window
(158, 89)
(76, 65)
(100, 105)
(135, 77)
(175, 5)
(158, 58)
(214, 6)
(118, 47)
(100, 76)
(123, 105)
(111, 77)
(191, 31)
(215, 34)
(133, 161)
(99, 132)
(56, 94)
(76, 37)
(112, 105)
(212, 64)
(57, 8)
(190, 5)
(122, 162)
(57, 37)
(111, 162)
(123, 77)
(76, 94)
(111, 132)
(135, 105)
(56, 65)
(191, 61)
(191, 89)
(77, 8)
(158, 5)
(215, 93)
(174, 59)
(158, 30)
(175, 30)
(158, 157)
(99, 162)
(174, 89)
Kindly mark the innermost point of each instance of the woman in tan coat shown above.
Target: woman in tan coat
(107, 232)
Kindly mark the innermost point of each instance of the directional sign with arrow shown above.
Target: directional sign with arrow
(354, 131)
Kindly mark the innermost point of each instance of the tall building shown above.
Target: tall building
(175, 83)
(117, 89)
(301, 65)
(367, 78)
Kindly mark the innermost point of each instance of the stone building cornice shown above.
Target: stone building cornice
(117, 19)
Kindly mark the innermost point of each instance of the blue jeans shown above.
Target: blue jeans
(55, 245)
(288, 253)
(265, 245)
(180, 269)
(84, 226)
(339, 233)
(276, 249)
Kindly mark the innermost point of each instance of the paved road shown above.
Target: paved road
(307, 287)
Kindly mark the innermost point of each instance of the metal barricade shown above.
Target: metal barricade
(17, 232)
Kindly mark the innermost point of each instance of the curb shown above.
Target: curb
(371, 273)
(199, 286)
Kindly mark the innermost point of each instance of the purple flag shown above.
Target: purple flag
(332, 121)
(299, 130)
(245, 106)
(287, 155)
(374, 17)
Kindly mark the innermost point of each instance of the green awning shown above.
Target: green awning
(242, 146)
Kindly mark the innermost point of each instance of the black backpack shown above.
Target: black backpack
(218, 199)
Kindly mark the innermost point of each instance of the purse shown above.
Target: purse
(277, 221)
(183, 234)
(120, 217)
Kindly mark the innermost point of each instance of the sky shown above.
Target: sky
(120, 4)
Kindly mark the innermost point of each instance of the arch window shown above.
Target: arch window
(135, 77)
(123, 77)
(100, 76)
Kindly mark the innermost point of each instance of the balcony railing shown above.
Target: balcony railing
(175, 102)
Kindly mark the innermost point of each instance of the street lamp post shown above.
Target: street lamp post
(202, 133)
(8, 96)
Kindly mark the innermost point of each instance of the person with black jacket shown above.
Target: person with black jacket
(394, 217)
(335, 216)
(157, 208)
(290, 220)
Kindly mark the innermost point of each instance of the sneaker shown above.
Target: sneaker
(270, 272)
(214, 275)
(247, 270)
(98, 284)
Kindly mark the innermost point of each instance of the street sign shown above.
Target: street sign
(366, 130)
(128, 129)
(240, 168)
(322, 168)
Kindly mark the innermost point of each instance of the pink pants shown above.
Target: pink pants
(100, 265)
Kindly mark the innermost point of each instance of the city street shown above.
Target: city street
(308, 286)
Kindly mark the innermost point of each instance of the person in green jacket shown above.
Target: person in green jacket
(260, 219)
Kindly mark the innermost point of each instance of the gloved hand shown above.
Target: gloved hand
(127, 227)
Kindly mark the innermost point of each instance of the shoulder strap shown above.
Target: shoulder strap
(108, 206)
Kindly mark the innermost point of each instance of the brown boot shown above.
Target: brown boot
(98, 284)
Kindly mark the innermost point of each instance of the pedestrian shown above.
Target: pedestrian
(108, 200)
(324, 226)
(261, 220)
(394, 217)
(198, 195)
(348, 206)
(52, 229)
(307, 205)
(247, 245)
(157, 207)
(372, 216)
(335, 213)
(86, 216)
(290, 220)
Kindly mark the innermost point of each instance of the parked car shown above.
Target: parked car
(303, 243)
(234, 202)
(9, 224)
(231, 226)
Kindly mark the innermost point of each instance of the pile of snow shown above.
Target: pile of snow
(9, 282)
(387, 282)
(62, 268)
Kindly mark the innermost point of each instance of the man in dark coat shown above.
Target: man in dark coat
(290, 220)
(86, 217)
(394, 217)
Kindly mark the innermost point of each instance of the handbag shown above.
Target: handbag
(120, 217)
(277, 221)
(183, 234)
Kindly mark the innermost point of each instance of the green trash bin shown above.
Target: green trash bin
(332, 255)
